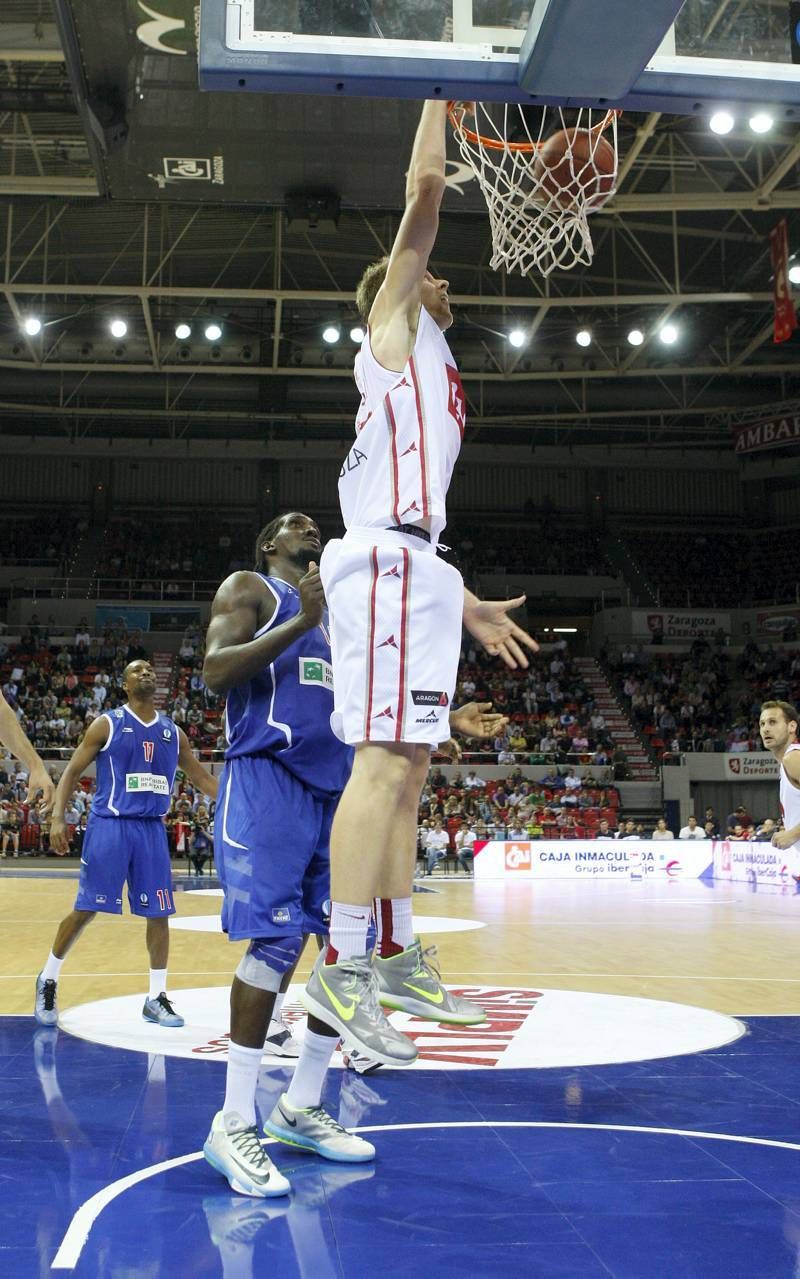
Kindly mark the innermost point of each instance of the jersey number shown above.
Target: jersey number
(148, 748)
(164, 899)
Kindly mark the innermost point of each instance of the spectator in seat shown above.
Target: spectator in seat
(506, 756)
(765, 830)
(711, 831)
(738, 833)
(465, 843)
(473, 782)
(691, 830)
(11, 820)
(740, 817)
(627, 830)
(603, 830)
(437, 845)
(661, 830)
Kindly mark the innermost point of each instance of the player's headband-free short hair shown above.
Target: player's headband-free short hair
(789, 712)
(267, 534)
(368, 285)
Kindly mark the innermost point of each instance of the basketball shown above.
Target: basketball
(576, 165)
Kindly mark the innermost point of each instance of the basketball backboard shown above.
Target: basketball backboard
(655, 55)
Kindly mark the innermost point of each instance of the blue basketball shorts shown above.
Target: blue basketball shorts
(271, 849)
(117, 850)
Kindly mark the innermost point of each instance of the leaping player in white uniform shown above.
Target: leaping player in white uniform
(396, 615)
(778, 724)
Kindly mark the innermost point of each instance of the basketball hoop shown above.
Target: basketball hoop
(541, 176)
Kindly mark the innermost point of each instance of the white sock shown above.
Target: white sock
(158, 982)
(305, 1088)
(52, 967)
(348, 933)
(241, 1082)
(275, 1015)
(394, 925)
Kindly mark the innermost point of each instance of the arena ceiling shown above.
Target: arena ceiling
(125, 192)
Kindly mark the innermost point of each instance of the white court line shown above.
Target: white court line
(536, 972)
(74, 1240)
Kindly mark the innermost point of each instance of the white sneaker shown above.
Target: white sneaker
(280, 1042)
(236, 1151)
(312, 1128)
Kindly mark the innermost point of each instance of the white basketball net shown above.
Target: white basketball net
(538, 215)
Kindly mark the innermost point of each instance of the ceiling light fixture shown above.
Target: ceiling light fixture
(721, 122)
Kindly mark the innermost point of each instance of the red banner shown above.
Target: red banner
(785, 317)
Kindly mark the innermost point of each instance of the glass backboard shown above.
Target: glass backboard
(637, 54)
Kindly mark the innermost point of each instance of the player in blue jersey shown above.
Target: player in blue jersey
(268, 648)
(137, 750)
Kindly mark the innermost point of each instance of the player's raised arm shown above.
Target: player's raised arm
(202, 778)
(242, 605)
(408, 262)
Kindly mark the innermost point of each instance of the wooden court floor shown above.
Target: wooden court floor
(726, 948)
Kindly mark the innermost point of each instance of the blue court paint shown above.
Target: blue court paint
(487, 1199)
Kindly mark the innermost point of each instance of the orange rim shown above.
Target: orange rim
(457, 111)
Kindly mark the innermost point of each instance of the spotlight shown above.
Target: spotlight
(246, 353)
(636, 337)
(357, 335)
(721, 122)
(583, 337)
(213, 331)
(761, 122)
(118, 328)
(32, 325)
(183, 331)
(517, 337)
(86, 350)
(327, 359)
(668, 334)
(118, 352)
(184, 352)
(794, 273)
(331, 334)
(216, 352)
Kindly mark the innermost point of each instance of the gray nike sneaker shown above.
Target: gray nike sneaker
(345, 996)
(312, 1128)
(410, 983)
(45, 1008)
(160, 1011)
(236, 1151)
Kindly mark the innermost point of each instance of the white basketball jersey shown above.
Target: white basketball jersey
(790, 798)
(409, 428)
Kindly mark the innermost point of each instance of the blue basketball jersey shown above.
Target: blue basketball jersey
(285, 710)
(136, 767)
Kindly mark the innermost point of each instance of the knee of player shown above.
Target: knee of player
(384, 770)
(267, 960)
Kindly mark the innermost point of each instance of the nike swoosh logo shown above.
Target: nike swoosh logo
(291, 1122)
(345, 1012)
(436, 998)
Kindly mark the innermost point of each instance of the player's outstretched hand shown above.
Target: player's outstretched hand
(782, 839)
(40, 780)
(312, 596)
(489, 622)
(59, 838)
(477, 719)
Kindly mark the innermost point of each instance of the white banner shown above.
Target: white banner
(594, 859)
(754, 863)
(678, 623)
(746, 766)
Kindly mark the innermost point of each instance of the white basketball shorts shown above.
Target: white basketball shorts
(395, 615)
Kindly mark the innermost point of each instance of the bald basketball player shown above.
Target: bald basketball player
(396, 613)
